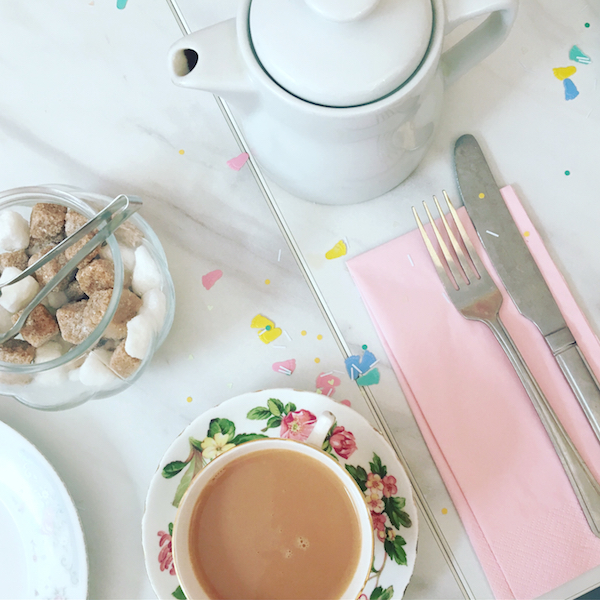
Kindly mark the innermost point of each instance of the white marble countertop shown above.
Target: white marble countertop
(87, 101)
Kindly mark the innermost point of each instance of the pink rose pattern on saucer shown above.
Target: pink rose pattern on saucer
(380, 489)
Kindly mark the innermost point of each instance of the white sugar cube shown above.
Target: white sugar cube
(5, 320)
(95, 372)
(127, 256)
(140, 330)
(56, 299)
(16, 296)
(154, 306)
(45, 353)
(14, 231)
(146, 274)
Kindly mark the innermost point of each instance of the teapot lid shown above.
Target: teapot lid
(340, 53)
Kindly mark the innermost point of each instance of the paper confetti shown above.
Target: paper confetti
(346, 403)
(563, 72)
(370, 378)
(357, 366)
(287, 367)
(268, 331)
(326, 383)
(238, 162)
(338, 250)
(576, 54)
(121, 4)
(211, 278)
(571, 90)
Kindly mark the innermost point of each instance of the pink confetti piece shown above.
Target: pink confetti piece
(286, 367)
(326, 383)
(211, 278)
(346, 403)
(238, 162)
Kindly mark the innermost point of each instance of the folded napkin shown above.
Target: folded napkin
(492, 451)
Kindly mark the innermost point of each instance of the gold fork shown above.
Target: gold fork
(472, 291)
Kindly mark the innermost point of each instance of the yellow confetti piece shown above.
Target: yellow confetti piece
(317, 360)
(563, 73)
(444, 511)
(267, 281)
(482, 195)
(303, 332)
(319, 337)
(338, 250)
(526, 234)
(189, 398)
(182, 152)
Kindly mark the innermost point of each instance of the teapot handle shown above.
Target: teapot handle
(480, 42)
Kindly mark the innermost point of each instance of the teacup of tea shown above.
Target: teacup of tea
(273, 518)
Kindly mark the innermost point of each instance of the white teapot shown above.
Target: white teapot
(338, 99)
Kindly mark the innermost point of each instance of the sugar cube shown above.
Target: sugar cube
(123, 364)
(47, 220)
(16, 296)
(139, 336)
(146, 274)
(154, 306)
(98, 275)
(14, 231)
(40, 326)
(71, 322)
(95, 372)
(18, 259)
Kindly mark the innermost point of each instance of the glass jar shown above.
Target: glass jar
(59, 382)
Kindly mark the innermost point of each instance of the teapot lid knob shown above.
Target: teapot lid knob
(349, 10)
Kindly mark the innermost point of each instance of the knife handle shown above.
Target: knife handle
(585, 486)
(583, 383)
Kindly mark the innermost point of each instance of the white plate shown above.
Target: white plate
(42, 553)
(354, 443)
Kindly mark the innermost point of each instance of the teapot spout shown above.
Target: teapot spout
(210, 60)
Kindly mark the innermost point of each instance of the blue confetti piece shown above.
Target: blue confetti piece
(357, 366)
(578, 55)
(121, 4)
(571, 90)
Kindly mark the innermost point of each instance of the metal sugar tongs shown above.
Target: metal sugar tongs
(107, 221)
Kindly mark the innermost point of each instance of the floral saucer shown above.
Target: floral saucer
(285, 413)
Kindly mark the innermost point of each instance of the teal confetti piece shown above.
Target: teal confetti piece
(370, 378)
(576, 54)
(571, 90)
(121, 4)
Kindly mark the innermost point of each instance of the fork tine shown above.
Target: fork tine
(462, 260)
(434, 255)
(449, 260)
(469, 248)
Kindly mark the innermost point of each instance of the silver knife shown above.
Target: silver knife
(519, 273)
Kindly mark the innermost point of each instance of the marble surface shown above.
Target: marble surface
(87, 100)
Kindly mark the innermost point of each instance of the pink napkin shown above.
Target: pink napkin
(492, 451)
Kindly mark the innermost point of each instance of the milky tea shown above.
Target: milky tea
(274, 524)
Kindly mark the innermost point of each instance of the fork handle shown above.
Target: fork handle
(584, 484)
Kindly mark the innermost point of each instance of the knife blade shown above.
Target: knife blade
(519, 273)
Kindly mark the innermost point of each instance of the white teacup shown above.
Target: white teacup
(191, 585)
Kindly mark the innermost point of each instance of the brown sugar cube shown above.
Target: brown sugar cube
(74, 291)
(74, 221)
(37, 245)
(98, 275)
(71, 322)
(18, 352)
(129, 235)
(17, 259)
(128, 307)
(40, 326)
(123, 364)
(71, 251)
(46, 272)
(47, 221)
